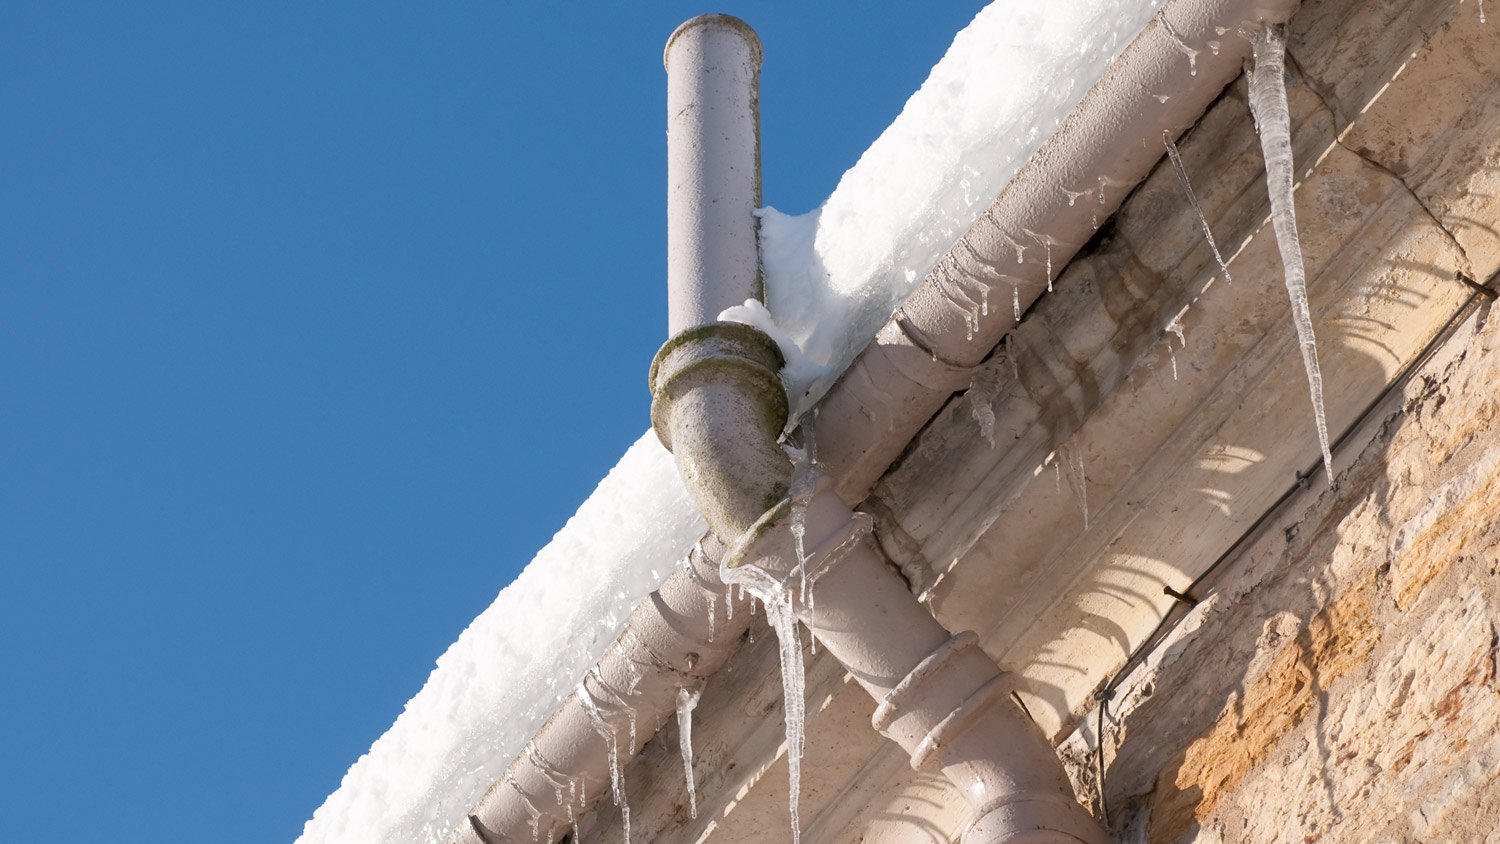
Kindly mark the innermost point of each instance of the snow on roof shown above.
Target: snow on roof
(835, 274)
(518, 660)
(833, 277)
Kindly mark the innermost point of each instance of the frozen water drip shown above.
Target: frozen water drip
(1192, 198)
(1272, 117)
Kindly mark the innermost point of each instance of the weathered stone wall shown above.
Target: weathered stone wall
(1338, 680)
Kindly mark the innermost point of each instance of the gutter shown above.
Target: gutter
(941, 696)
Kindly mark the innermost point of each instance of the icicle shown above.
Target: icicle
(955, 293)
(982, 389)
(1161, 98)
(552, 775)
(607, 732)
(1175, 327)
(1269, 105)
(804, 482)
(1073, 195)
(1079, 482)
(777, 600)
(1187, 188)
(687, 701)
(1172, 353)
(620, 703)
(1192, 55)
(1046, 242)
(1214, 46)
(532, 811)
(635, 675)
(1015, 300)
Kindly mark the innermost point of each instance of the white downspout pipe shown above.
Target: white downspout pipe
(719, 406)
(713, 169)
(915, 364)
(942, 698)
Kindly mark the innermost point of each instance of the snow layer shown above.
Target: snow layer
(834, 275)
(518, 660)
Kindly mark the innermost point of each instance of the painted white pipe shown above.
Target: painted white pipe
(913, 366)
(713, 169)
(942, 698)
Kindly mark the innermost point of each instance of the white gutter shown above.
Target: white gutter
(917, 360)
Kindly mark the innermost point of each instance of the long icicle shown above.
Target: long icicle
(687, 701)
(1273, 118)
(776, 596)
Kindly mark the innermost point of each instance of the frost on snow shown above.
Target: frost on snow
(518, 660)
(834, 275)
(1273, 120)
(687, 701)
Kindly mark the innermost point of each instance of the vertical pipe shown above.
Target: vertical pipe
(713, 169)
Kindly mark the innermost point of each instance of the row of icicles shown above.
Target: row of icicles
(778, 595)
(1268, 104)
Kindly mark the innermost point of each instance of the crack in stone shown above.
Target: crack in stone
(1342, 128)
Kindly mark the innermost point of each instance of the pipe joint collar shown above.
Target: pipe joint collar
(718, 353)
(1033, 818)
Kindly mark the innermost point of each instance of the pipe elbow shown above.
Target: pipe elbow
(719, 406)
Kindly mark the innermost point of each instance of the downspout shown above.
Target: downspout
(914, 364)
(718, 404)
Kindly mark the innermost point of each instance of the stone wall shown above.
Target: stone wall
(1338, 679)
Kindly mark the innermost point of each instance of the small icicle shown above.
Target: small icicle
(687, 701)
(1172, 353)
(531, 810)
(1161, 98)
(713, 614)
(804, 483)
(777, 600)
(1079, 482)
(553, 776)
(1102, 183)
(1214, 46)
(1073, 195)
(607, 732)
(1176, 327)
(635, 676)
(1269, 105)
(1015, 300)
(1187, 188)
(984, 301)
(1192, 55)
(1046, 242)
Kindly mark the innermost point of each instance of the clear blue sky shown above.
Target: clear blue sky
(316, 321)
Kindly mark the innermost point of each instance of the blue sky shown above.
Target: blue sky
(316, 321)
